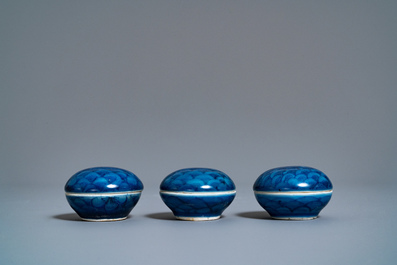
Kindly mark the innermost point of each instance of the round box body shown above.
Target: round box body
(293, 193)
(197, 194)
(103, 193)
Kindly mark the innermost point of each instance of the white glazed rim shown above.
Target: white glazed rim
(302, 193)
(198, 193)
(102, 194)
(295, 218)
(104, 219)
(185, 218)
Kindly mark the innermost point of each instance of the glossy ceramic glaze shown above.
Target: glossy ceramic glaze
(293, 193)
(103, 193)
(197, 194)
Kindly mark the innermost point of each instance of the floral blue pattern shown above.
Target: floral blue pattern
(293, 192)
(292, 178)
(103, 193)
(103, 207)
(103, 179)
(197, 179)
(197, 193)
(197, 206)
(289, 207)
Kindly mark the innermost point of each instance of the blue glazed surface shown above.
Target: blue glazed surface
(103, 179)
(197, 179)
(290, 206)
(197, 206)
(293, 178)
(103, 207)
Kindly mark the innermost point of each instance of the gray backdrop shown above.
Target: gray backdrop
(240, 86)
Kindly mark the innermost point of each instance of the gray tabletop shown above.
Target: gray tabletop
(357, 226)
